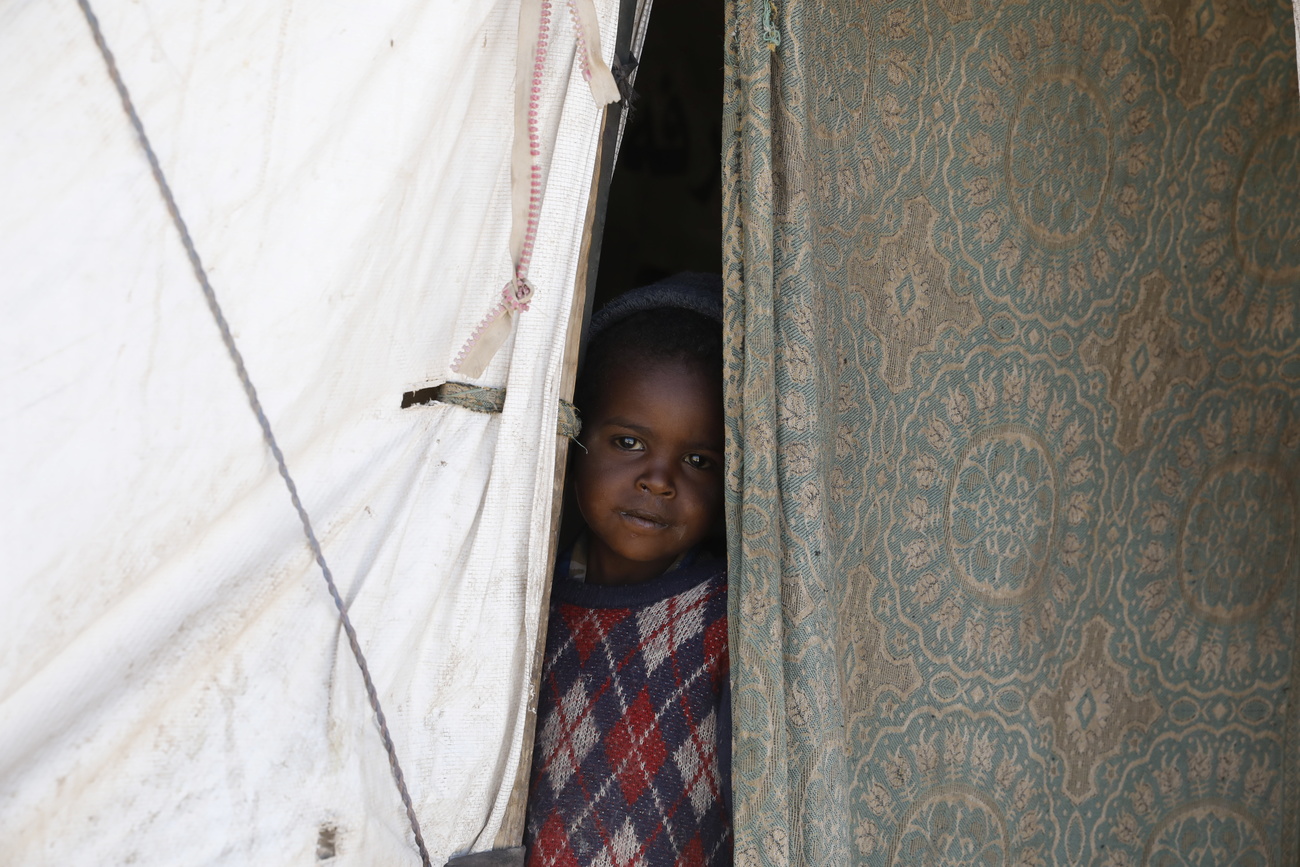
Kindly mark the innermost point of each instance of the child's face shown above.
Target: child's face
(650, 483)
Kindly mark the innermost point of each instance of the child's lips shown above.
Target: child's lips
(643, 520)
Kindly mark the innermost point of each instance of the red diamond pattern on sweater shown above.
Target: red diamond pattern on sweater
(553, 845)
(635, 748)
(589, 627)
(693, 854)
(628, 741)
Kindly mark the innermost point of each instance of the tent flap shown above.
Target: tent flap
(174, 686)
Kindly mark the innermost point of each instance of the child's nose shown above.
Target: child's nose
(656, 480)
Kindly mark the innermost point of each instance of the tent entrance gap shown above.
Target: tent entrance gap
(659, 213)
(665, 204)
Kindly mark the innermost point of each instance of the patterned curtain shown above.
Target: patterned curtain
(1013, 299)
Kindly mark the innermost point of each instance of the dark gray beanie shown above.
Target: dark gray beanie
(689, 290)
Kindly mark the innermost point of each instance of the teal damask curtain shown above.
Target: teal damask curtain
(1013, 301)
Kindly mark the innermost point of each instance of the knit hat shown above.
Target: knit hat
(689, 290)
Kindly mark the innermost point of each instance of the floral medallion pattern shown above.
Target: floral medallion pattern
(1000, 513)
(1013, 397)
(985, 547)
(1209, 834)
(1243, 198)
(959, 791)
(1214, 543)
(1055, 144)
(1196, 800)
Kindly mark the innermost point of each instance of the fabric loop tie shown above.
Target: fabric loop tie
(490, 400)
(569, 423)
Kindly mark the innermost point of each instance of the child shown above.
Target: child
(632, 762)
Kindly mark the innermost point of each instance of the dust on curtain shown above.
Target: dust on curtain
(1012, 296)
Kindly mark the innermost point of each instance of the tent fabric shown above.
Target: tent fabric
(1014, 435)
(174, 687)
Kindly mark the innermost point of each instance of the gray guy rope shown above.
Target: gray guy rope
(256, 405)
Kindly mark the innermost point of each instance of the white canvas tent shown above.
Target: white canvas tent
(174, 684)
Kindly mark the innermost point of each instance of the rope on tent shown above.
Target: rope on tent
(211, 297)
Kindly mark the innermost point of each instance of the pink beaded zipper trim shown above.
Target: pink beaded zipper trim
(535, 151)
(583, 54)
(517, 292)
(515, 296)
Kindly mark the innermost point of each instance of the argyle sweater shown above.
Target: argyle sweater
(633, 752)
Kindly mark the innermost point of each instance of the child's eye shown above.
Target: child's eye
(628, 444)
(700, 462)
